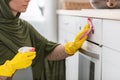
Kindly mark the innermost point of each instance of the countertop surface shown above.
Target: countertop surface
(95, 13)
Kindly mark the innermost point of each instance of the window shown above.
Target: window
(35, 8)
(34, 15)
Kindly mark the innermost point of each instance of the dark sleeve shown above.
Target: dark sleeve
(45, 45)
(50, 46)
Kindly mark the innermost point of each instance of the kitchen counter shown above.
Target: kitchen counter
(94, 13)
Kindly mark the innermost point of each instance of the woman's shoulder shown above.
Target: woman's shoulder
(23, 21)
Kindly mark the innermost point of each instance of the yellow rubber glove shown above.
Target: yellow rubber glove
(72, 47)
(6, 69)
(20, 61)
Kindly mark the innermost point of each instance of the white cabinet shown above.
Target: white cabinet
(111, 34)
(67, 31)
(106, 33)
(68, 27)
(110, 64)
(72, 24)
(111, 50)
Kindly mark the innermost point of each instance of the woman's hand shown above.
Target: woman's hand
(72, 47)
(20, 61)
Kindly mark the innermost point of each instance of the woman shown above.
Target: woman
(16, 33)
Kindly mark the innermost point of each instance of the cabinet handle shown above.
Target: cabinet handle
(90, 54)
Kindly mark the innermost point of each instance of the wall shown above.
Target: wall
(47, 24)
(51, 20)
(33, 15)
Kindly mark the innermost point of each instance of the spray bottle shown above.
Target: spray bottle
(26, 49)
(24, 74)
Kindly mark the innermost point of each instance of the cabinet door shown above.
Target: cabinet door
(67, 30)
(96, 35)
(110, 64)
(111, 34)
(71, 62)
(70, 23)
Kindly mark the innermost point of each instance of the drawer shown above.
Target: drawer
(65, 36)
(69, 23)
(110, 64)
(96, 36)
(111, 34)
(80, 23)
(74, 24)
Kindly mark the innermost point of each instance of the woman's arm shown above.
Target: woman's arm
(57, 54)
(70, 48)
(5, 78)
